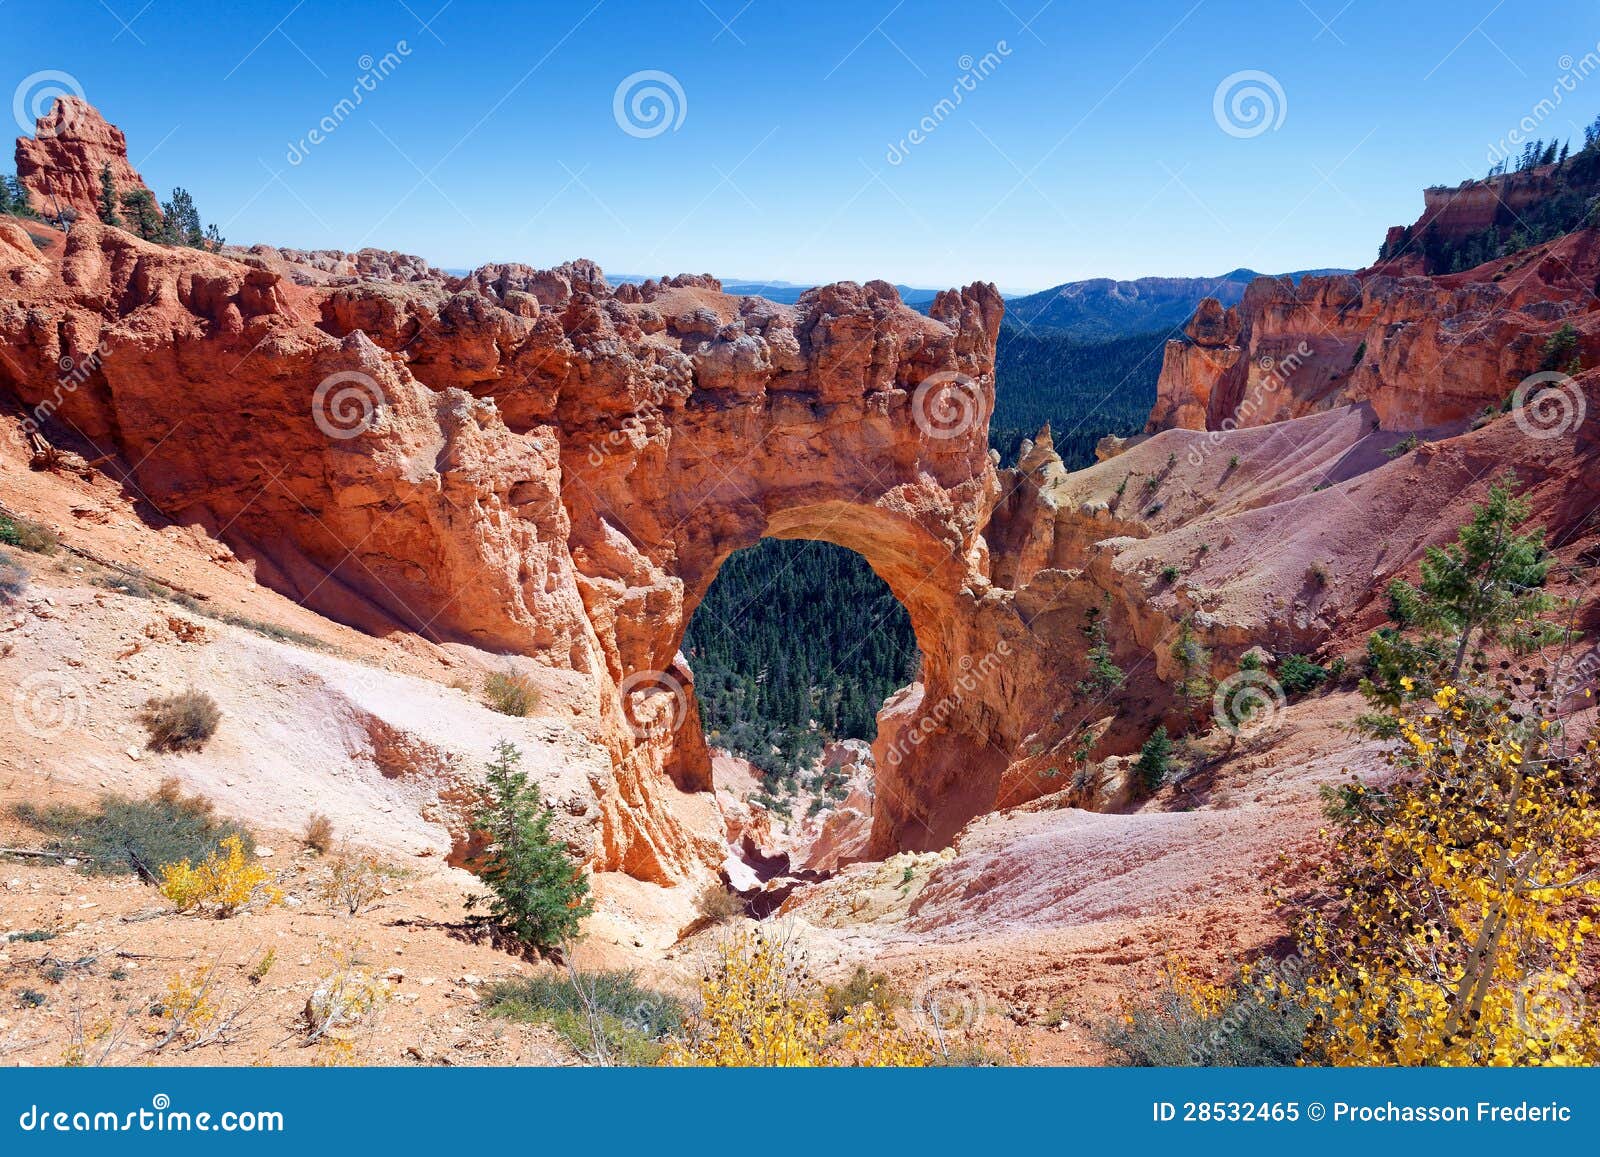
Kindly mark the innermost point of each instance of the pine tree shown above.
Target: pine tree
(182, 220)
(21, 200)
(1194, 668)
(1103, 676)
(540, 895)
(1155, 761)
(1484, 587)
(143, 218)
(108, 197)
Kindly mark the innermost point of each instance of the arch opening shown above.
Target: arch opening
(795, 645)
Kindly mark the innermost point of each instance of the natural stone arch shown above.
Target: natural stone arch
(927, 578)
(550, 471)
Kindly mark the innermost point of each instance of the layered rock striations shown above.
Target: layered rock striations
(1423, 352)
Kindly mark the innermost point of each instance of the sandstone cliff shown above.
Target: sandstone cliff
(61, 164)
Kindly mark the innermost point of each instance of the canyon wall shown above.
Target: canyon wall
(1425, 353)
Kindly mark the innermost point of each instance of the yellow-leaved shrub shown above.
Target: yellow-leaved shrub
(1456, 935)
(760, 1007)
(226, 882)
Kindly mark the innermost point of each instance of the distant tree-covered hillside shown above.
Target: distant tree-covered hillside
(796, 642)
(1085, 390)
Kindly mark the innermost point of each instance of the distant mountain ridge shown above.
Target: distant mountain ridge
(1102, 308)
(1094, 310)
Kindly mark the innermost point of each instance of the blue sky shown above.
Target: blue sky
(1090, 146)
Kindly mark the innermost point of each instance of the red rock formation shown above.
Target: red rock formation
(522, 462)
(526, 462)
(1423, 352)
(60, 165)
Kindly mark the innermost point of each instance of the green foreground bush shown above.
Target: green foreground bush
(127, 835)
(632, 1023)
(1244, 1024)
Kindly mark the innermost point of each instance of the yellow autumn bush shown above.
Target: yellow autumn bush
(1460, 896)
(226, 882)
(761, 1007)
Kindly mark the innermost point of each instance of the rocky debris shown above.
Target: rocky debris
(335, 267)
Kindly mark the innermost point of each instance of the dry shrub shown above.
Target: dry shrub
(344, 1000)
(181, 722)
(863, 987)
(356, 882)
(25, 534)
(759, 1006)
(202, 1006)
(717, 905)
(319, 833)
(510, 693)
